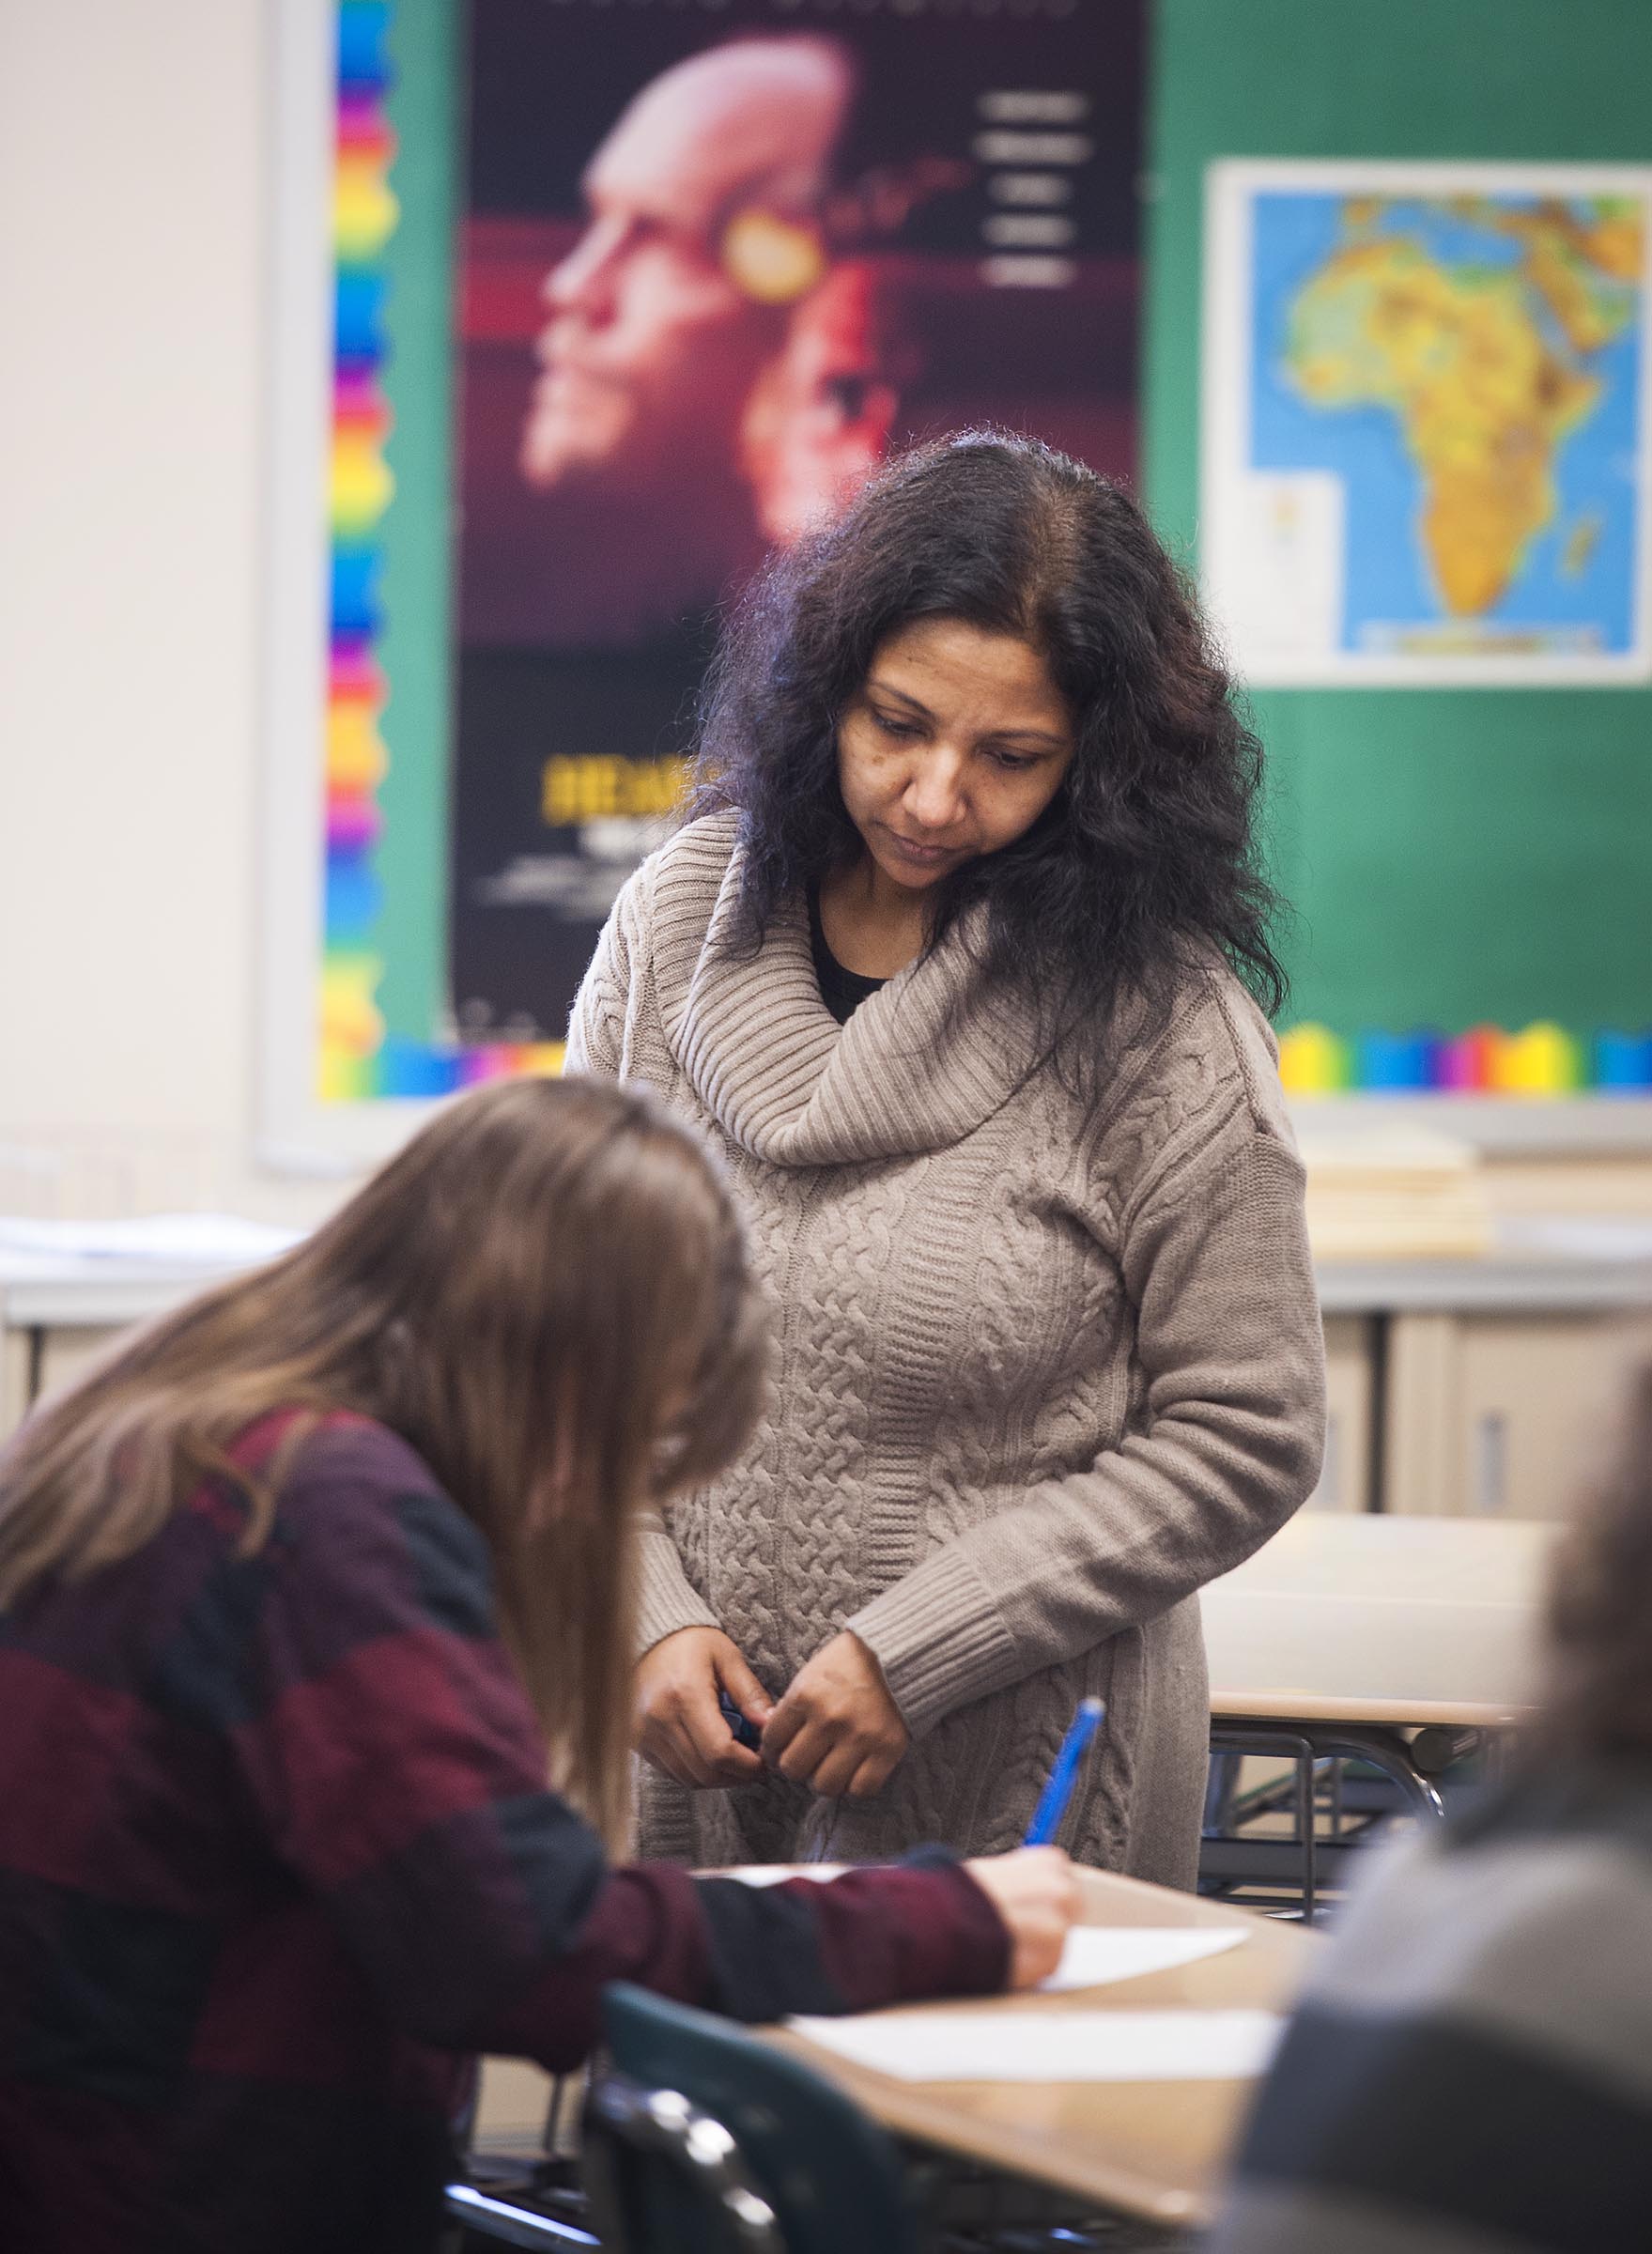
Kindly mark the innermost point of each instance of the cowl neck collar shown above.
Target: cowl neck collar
(921, 1064)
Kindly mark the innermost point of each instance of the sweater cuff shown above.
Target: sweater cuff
(940, 1640)
(665, 1599)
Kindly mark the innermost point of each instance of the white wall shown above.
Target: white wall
(132, 154)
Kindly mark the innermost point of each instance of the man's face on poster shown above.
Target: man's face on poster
(654, 343)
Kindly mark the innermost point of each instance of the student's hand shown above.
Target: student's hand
(678, 1724)
(837, 1729)
(1035, 1890)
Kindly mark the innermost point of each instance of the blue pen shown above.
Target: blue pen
(1052, 1806)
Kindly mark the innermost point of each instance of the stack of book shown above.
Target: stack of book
(1397, 1193)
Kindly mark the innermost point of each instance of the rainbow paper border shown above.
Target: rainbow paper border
(1543, 1060)
(356, 1058)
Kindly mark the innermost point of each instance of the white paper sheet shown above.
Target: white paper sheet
(771, 1873)
(1095, 1955)
(1006, 2046)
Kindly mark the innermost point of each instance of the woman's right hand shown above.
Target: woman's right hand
(1035, 1890)
(678, 1727)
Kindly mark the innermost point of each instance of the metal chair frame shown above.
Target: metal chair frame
(621, 2115)
(1314, 1750)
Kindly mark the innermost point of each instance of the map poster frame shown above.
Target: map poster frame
(1274, 546)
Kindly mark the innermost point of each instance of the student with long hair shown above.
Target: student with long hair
(1470, 2068)
(955, 965)
(303, 1596)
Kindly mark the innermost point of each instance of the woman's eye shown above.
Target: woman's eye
(1011, 763)
(901, 729)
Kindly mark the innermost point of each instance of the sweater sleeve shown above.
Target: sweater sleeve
(1216, 1263)
(397, 1769)
(597, 1027)
(667, 1600)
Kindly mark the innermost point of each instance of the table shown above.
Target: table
(1394, 1641)
(57, 1313)
(1392, 1621)
(1155, 2150)
(1553, 1263)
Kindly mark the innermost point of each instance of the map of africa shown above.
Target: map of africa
(1448, 388)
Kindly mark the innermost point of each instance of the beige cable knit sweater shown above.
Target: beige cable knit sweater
(1042, 1371)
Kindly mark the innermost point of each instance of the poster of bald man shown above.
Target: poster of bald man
(715, 263)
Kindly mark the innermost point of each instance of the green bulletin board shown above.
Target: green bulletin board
(1457, 858)
(423, 102)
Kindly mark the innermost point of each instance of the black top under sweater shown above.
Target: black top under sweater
(842, 991)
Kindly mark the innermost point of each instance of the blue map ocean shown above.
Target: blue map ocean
(1387, 582)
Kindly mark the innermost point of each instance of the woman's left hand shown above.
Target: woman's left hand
(837, 1729)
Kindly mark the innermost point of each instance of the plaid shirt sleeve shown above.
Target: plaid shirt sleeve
(396, 1766)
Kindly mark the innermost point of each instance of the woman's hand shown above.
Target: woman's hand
(837, 1729)
(678, 1727)
(1035, 1890)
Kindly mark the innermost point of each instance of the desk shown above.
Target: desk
(1394, 1621)
(1537, 1263)
(56, 1314)
(1343, 1635)
(1151, 2149)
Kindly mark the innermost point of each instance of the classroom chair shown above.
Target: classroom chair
(700, 2140)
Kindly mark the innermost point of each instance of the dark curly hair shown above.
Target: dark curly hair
(1143, 866)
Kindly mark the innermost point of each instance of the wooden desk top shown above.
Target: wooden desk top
(1380, 1619)
(1156, 2150)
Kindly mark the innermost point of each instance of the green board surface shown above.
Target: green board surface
(1459, 856)
(426, 112)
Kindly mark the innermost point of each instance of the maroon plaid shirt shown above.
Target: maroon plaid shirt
(276, 1856)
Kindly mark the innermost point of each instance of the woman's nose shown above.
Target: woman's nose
(934, 795)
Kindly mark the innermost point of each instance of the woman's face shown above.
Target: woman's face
(956, 743)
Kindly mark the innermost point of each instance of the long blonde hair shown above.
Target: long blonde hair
(546, 1294)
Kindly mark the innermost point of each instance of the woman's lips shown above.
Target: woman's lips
(924, 856)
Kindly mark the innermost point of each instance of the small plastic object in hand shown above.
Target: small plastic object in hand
(745, 1733)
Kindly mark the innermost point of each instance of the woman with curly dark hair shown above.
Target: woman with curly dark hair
(951, 963)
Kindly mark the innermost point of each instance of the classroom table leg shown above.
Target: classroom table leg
(1227, 1859)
